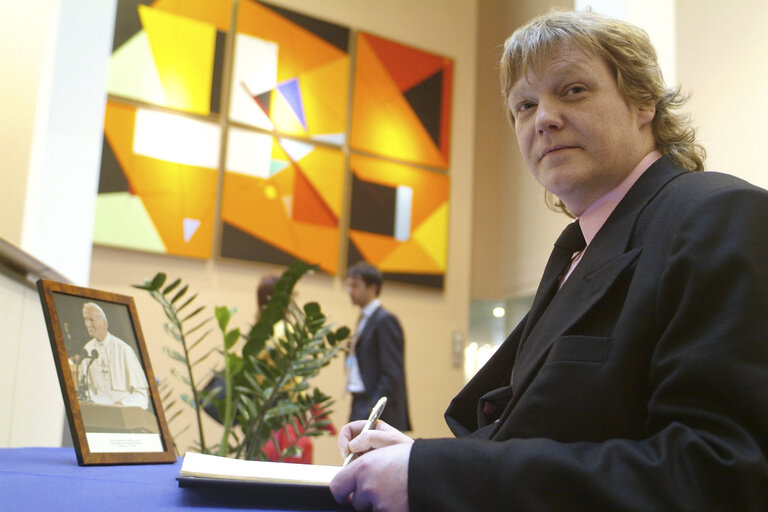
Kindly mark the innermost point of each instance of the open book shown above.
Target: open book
(223, 482)
(198, 465)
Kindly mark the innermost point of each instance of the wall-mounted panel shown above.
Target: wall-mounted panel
(399, 220)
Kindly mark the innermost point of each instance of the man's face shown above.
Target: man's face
(94, 323)
(578, 135)
(359, 292)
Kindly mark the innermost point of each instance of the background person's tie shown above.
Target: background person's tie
(571, 240)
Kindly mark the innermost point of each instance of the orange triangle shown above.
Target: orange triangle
(373, 247)
(324, 167)
(318, 244)
(119, 121)
(411, 258)
(308, 206)
(407, 66)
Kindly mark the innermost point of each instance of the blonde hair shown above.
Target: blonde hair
(629, 53)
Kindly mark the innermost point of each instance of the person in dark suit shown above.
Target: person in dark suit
(638, 379)
(375, 362)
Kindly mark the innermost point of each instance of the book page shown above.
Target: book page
(225, 468)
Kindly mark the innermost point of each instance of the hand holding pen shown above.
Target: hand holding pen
(372, 419)
(383, 472)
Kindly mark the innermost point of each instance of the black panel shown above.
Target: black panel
(236, 243)
(127, 22)
(431, 280)
(425, 99)
(218, 72)
(334, 34)
(112, 177)
(373, 207)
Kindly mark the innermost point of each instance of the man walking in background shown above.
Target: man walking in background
(375, 362)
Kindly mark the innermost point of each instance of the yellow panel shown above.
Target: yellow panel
(300, 50)
(373, 247)
(247, 205)
(318, 244)
(430, 189)
(324, 92)
(184, 51)
(324, 168)
(432, 235)
(383, 121)
(172, 192)
(216, 12)
(409, 257)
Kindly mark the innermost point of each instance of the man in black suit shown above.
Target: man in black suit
(638, 380)
(375, 362)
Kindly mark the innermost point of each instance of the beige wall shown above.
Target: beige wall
(429, 317)
(512, 228)
(721, 60)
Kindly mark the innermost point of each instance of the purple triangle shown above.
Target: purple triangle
(292, 94)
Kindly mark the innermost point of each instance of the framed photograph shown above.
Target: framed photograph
(113, 407)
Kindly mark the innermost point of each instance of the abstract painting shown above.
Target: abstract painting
(290, 73)
(399, 220)
(157, 190)
(255, 98)
(170, 53)
(282, 200)
(402, 102)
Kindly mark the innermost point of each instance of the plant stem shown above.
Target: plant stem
(195, 396)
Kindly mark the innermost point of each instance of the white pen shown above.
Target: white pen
(375, 414)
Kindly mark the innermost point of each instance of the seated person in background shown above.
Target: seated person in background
(114, 375)
(639, 379)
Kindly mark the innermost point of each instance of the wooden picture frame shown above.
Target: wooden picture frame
(114, 410)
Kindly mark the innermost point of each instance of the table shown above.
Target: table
(50, 479)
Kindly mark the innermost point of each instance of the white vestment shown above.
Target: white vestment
(116, 374)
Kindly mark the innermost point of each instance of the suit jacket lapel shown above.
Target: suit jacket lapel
(609, 253)
(370, 323)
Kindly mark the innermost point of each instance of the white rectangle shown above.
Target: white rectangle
(175, 138)
(403, 206)
(249, 153)
(111, 442)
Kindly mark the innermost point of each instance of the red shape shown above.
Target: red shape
(407, 66)
(445, 114)
(308, 206)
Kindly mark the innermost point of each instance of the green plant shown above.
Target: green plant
(264, 384)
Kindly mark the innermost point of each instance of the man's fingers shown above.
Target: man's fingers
(343, 485)
(349, 432)
(376, 439)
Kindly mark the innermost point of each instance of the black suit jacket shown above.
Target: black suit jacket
(644, 385)
(380, 357)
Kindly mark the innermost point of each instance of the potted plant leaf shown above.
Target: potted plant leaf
(264, 383)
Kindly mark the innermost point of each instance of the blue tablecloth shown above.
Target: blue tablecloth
(50, 479)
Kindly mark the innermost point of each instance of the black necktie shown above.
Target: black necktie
(571, 240)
